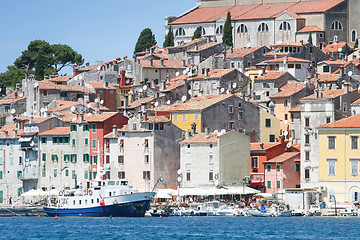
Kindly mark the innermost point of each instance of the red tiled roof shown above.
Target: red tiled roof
(327, 94)
(217, 73)
(100, 117)
(308, 29)
(157, 64)
(289, 44)
(296, 109)
(331, 62)
(156, 119)
(57, 131)
(240, 52)
(110, 135)
(100, 85)
(201, 102)
(201, 138)
(289, 89)
(333, 48)
(289, 59)
(350, 122)
(93, 67)
(161, 108)
(47, 85)
(323, 78)
(9, 129)
(175, 82)
(63, 105)
(256, 146)
(71, 88)
(137, 103)
(203, 47)
(283, 157)
(271, 75)
(61, 78)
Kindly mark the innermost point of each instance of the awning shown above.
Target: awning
(210, 191)
(25, 139)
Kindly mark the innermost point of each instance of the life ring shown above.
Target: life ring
(61, 193)
(90, 192)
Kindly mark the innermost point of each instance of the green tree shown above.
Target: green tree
(169, 38)
(356, 44)
(145, 41)
(45, 59)
(12, 76)
(310, 38)
(197, 33)
(227, 36)
(346, 49)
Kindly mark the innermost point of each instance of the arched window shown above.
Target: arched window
(336, 25)
(285, 26)
(242, 29)
(263, 27)
(353, 35)
(203, 32)
(180, 32)
(220, 30)
(355, 195)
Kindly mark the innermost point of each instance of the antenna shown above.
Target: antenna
(184, 72)
(179, 179)
(102, 102)
(228, 91)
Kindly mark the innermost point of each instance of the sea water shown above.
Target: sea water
(180, 228)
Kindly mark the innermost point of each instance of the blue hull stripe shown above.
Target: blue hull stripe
(132, 209)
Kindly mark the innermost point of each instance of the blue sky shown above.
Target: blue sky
(99, 30)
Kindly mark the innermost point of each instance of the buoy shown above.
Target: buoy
(56, 217)
(39, 216)
(160, 216)
(102, 202)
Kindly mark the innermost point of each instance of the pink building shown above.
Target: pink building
(282, 172)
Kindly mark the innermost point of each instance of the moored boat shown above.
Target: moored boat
(106, 198)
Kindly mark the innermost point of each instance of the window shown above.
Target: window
(188, 176)
(44, 156)
(297, 167)
(220, 30)
(268, 167)
(20, 160)
(263, 27)
(94, 143)
(307, 122)
(336, 25)
(183, 116)
(211, 157)
(74, 142)
(214, 85)
(66, 172)
(331, 167)
(268, 184)
(43, 140)
(86, 127)
(353, 35)
(278, 184)
(268, 122)
(354, 142)
(54, 158)
(254, 162)
(121, 175)
(278, 167)
(231, 109)
(211, 176)
(66, 157)
(307, 173)
(345, 107)
(121, 159)
(242, 29)
(326, 69)
(55, 172)
(328, 120)
(331, 143)
(354, 167)
(240, 116)
(271, 138)
(291, 65)
(196, 117)
(86, 174)
(298, 66)
(297, 186)
(180, 32)
(73, 158)
(93, 127)
(73, 128)
(146, 175)
(307, 155)
(286, 103)
(307, 139)
(93, 159)
(355, 195)
(86, 141)
(231, 125)
(196, 86)
(286, 116)
(175, 117)
(147, 159)
(86, 157)
(285, 26)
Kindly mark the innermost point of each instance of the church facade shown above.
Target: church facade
(268, 22)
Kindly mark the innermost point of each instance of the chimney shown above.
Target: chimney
(87, 64)
(21, 125)
(114, 131)
(16, 94)
(143, 106)
(231, 49)
(302, 42)
(224, 53)
(207, 132)
(162, 62)
(75, 70)
(162, 85)
(345, 87)
(151, 62)
(18, 87)
(262, 145)
(5, 133)
(126, 101)
(152, 50)
(122, 81)
(342, 71)
(184, 63)
(263, 70)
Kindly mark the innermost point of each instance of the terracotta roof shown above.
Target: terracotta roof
(323, 78)
(61, 78)
(100, 117)
(137, 103)
(9, 101)
(283, 157)
(350, 122)
(289, 44)
(12, 95)
(271, 75)
(156, 119)
(175, 82)
(91, 68)
(111, 135)
(47, 85)
(240, 52)
(296, 109)
(71, 88)
(327, 94)
(203, 47)
(256, 146)
(161, 108)
(333, 48)
(289, 59)
(201, 138)
(289, 89)
(100, 85)
(308, 29)
(217, 73)
(201, 102)
(9, 129)
(356, 101)
(167, 64)
(38, 120)
(57, 131)
(331, 62)
(256, 11)
(63, 105)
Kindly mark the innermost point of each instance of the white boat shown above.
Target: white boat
(257, 213)
(104, 198)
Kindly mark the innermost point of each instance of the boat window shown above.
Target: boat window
(86, 201)
(117, 182)
(92, 200)
(109, 194)
(97, 200)
(74, 202)
(124, 183)
(111, 183)
(79, 202)
(114, 193)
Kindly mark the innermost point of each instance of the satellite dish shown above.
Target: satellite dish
(291, 139)
(183, 98)
(88, 105)
(350, 73)
(286, 133)
(96, 100)
(25, 114)
(190, 74)
(20, 94)
(286, 122)
(340, 50)
(74, 119)
(247, 74)
(13, 111)
(184, 72)
(127, 81)
(288, 145)
(223, 131)
(216, 132)
(80, 77)
(234, 85)
(156, 104)
(145, 87)
(241, 70)
(177, 74)
(190, 92)
(168, 102)
(102, 102)
(76, 77)
(228, 91)
(140, 90)
(179, 171)
(179, 178)
(222, 90)
(73, 109)
(32, 143)
(89, 114)
(187, 69)
(216, 182)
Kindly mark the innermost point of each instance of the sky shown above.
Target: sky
(99, 30)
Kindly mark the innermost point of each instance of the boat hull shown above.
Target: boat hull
(129, 209)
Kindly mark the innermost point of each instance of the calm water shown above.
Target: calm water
(179, 228)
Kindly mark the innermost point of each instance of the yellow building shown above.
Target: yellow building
(270, 127)
(339, 156)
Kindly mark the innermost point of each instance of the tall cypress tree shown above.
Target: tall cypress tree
(310, 38)
(169, 38)
(197, 33)
(145, 41)
(227, 35)
(356, 43)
